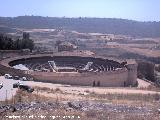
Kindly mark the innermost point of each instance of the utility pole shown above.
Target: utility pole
(37, 94)
(12, 96)
(6, 100)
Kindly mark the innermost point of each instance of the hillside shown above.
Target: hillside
(101, 25)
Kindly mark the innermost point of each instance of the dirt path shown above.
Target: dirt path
(98, 90)
(142, 83)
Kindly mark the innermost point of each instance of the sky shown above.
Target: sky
(141, 10)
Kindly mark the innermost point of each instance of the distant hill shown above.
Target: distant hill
(102, 25)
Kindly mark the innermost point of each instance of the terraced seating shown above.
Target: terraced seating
(98, 65)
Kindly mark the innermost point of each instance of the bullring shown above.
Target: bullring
(74, 69)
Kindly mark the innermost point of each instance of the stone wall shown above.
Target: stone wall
(110, 79)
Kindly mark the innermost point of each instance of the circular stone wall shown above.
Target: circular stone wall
(102, 71)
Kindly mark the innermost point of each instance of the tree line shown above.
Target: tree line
(7, 43)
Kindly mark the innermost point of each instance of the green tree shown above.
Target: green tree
(7, 43)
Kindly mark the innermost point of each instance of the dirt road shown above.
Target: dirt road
(98, 90)
(73, 90)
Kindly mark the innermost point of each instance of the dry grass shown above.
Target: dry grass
(92, 95)
(48, 90)
(151, 88)
(59, 113)
(129, 97)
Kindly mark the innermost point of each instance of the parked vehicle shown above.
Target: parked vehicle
(30, 79)
(1, 85)
(16, 78)
(8, 76)
(16, 85)
(27, 88)
(23, 87)
(23, 79)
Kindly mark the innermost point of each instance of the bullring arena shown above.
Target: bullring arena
(74, 69)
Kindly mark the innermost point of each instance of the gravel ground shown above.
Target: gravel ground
(77, 110)
(79, 105)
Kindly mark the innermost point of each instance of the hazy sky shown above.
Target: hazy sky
(142, 10)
